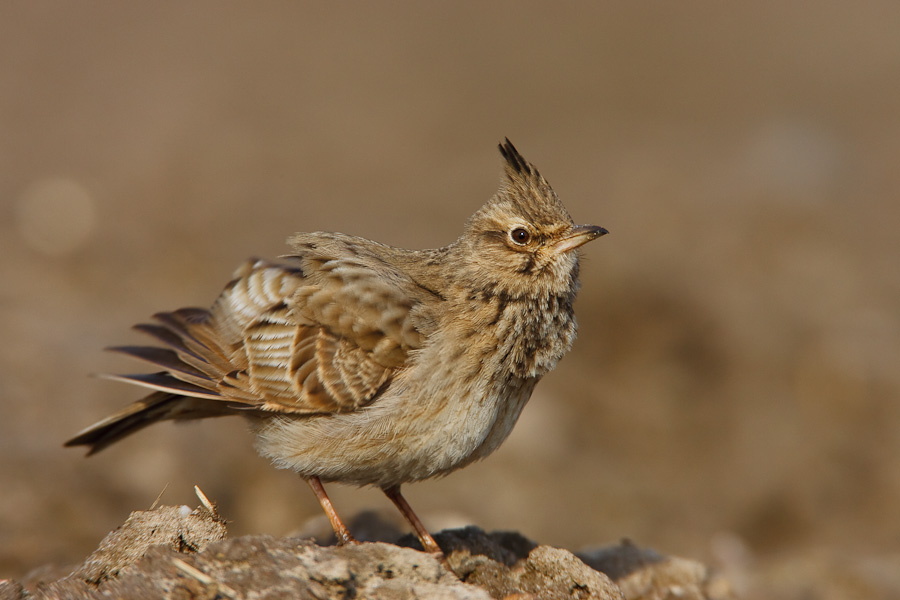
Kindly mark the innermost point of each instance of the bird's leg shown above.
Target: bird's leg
(425, 538)
(340, 530)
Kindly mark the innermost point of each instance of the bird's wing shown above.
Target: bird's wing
(323, 334)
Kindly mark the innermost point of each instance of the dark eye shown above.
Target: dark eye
(520, 235)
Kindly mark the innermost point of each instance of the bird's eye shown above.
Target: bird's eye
(520, 236)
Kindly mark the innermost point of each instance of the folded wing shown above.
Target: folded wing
(323, 332)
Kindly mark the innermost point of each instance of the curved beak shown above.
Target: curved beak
(578, 236)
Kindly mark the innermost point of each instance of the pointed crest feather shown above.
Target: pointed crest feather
(528, 189)
(515, 162)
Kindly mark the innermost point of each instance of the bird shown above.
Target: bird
(366, 364)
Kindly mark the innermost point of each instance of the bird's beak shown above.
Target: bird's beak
(577, 236)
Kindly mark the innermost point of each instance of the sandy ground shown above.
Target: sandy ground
(733, 395)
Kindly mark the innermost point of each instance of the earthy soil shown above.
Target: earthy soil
(173, 552)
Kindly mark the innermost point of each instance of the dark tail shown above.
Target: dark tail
(159, 406)
(195, 363)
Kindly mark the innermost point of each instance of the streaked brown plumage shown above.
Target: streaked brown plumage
(366, 364)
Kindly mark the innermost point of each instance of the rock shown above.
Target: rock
(175, 527)
(507, 564)
(174, 553)
(266, 567)
(643, 574)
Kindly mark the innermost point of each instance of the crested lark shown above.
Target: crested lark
(366, 364)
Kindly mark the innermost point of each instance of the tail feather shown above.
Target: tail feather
(165, 382)
(190, 325)
(159, 406)
(170, 361)
(204, 366)
(164, 335)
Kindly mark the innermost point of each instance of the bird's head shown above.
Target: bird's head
(523, 241)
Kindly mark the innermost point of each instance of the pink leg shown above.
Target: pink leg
(425, 538)
(340, 530)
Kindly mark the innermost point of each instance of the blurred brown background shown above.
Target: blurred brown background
(733, 392)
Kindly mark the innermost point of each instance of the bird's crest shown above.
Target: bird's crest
(516, 165)
(528, 188)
